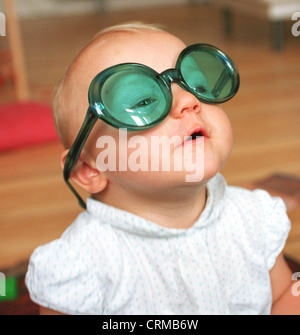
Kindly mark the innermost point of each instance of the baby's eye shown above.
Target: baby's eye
(205, 91)
(202, 89)
(145, 102)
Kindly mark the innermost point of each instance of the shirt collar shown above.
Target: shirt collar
(136, 225)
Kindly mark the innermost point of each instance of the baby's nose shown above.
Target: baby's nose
(183, 102)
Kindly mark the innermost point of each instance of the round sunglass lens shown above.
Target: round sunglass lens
(208, 74)
(133, 98)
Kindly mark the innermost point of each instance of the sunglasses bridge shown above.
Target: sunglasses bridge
(171, 76)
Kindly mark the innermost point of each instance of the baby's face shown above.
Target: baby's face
(201, 158)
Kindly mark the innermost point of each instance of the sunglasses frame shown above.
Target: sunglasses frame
(97, 109)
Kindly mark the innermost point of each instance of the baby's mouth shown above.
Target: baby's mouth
(195, 135)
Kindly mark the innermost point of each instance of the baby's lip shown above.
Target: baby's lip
(195, 133)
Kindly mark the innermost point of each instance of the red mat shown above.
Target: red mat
(23, 124)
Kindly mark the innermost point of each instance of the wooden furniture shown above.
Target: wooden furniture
(276, 11)
(15, 45)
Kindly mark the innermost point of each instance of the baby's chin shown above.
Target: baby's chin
(169, 182)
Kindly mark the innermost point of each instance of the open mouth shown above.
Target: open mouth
(195, 135)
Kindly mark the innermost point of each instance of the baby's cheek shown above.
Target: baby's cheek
(227, 139)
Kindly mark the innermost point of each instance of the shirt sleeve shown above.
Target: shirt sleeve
(60, 278)
(276, 226)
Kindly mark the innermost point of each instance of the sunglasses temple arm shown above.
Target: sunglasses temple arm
(75, 150)
(222, 81)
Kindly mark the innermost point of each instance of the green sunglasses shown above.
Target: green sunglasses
(135, 97)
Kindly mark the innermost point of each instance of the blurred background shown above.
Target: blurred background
(43, 36)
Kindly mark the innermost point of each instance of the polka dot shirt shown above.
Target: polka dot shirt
(110, 261)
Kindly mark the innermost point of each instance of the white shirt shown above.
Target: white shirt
(110, 261)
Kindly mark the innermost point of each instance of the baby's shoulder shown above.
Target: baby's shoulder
(65, 274)
(79, 244)
(254, 209)
(257, 197)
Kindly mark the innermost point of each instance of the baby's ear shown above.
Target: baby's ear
(86, 176)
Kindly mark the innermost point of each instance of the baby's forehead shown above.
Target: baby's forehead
(156, 49)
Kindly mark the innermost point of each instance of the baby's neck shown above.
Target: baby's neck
(181, 213)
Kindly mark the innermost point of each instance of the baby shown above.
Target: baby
(155, 239)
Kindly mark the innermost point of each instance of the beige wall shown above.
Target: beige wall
(44, 8)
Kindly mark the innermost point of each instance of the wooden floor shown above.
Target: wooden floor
(36, 206)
